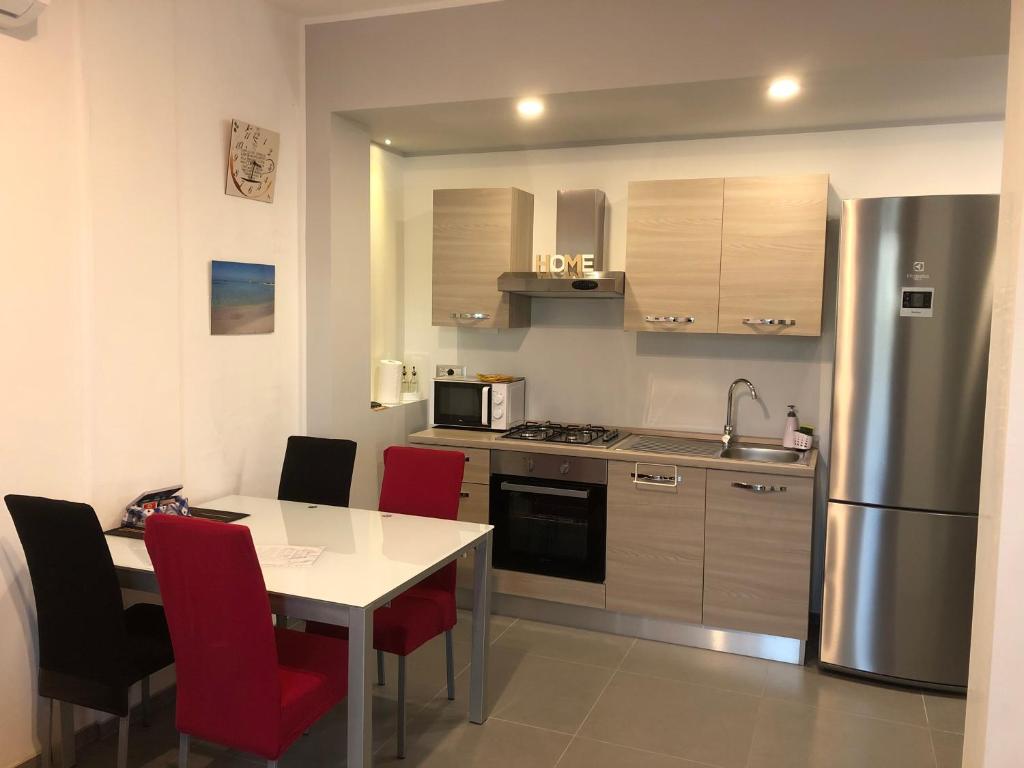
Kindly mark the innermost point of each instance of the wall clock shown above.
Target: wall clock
(252, 162)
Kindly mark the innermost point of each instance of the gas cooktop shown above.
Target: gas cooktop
(575, 434)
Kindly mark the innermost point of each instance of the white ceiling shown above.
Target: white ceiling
(339, 10)
(908, 93)
(615, 71)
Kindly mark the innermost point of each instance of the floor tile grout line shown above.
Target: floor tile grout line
(596, 701)
(850, 712)
(931, 743)
(649, 676)
(501, 719)
(687, 760)
(560, 659)
(753, 733)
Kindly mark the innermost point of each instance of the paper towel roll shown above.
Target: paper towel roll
(389, 382)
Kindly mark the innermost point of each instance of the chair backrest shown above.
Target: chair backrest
(424, 482)
(317, 470)
(218, 614)
(79, 609)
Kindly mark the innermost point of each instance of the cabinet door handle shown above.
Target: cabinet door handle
(768, 321)
(655, 478)
(464, 494)
(470, 316)
(759, 488)
(683, 319)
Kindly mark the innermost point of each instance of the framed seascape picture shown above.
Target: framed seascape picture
(241, 298)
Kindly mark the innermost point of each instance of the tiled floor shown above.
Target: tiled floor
(575, 699)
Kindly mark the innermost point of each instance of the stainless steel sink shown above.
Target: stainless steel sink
(761, 453)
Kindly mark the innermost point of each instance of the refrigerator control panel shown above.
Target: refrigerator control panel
(916, 302)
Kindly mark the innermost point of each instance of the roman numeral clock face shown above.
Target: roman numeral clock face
(252, 162)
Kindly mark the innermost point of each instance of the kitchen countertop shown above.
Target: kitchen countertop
(467, 438)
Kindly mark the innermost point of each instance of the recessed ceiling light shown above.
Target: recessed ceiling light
(783, 88)
(530, 108)
(388, 142)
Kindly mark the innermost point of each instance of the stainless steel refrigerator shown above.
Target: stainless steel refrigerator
(912, 338)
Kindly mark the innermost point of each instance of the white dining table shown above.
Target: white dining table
(369, 557)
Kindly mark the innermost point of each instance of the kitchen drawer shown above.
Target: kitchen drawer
(549, 588)
(757, 560)
(473, 502)
(655, 560)
(478, 463)
(474, 507)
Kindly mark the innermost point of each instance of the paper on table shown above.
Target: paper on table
(287, 555)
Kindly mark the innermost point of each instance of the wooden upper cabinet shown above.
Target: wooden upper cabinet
(757, 552)
(773, 255)
(655, 544)
(478, 234)
(673, 255)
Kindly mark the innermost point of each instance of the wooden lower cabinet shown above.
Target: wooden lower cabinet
(757, 556)
(567, 591)
(655, 545)
(474, 507)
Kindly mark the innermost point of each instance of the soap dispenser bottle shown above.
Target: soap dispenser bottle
(792, 426)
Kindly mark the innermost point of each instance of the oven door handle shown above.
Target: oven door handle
(545, 490)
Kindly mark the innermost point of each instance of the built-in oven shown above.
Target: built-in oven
(474, 404)
(549, 514)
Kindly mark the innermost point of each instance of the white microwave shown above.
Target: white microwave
(473, 404)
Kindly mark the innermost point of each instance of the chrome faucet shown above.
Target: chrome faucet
(729, 427)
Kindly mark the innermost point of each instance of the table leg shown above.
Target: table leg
(67, 734)
(481, 631)
(360, 697)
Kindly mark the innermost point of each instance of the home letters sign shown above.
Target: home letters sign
(577, 265)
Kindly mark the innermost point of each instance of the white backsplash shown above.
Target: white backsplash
(581, 366)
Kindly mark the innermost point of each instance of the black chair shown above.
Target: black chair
(91, 649)
(317, 470)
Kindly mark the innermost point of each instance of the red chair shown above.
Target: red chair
(241, 682)
(423, 482)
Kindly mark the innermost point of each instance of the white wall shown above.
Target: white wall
(43, 329)
(115, 120)
(387, 269)
(995, 706)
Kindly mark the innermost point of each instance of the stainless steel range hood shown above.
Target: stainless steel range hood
(580, 229)
(594, 285)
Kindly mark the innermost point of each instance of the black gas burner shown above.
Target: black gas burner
(553, 432)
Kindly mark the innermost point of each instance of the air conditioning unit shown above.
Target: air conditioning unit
(18, 13)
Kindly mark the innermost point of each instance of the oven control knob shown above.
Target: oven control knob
(497, 398)
(498, 412)
(564, 469)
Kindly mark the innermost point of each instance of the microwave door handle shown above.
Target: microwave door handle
(485, 406)
(544, 490)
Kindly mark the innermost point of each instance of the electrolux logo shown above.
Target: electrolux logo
(917, 272)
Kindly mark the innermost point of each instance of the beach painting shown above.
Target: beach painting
(241, 298)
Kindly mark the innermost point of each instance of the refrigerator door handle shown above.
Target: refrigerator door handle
(759, 488)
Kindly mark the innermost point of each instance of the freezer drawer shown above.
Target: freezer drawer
(898, 593)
